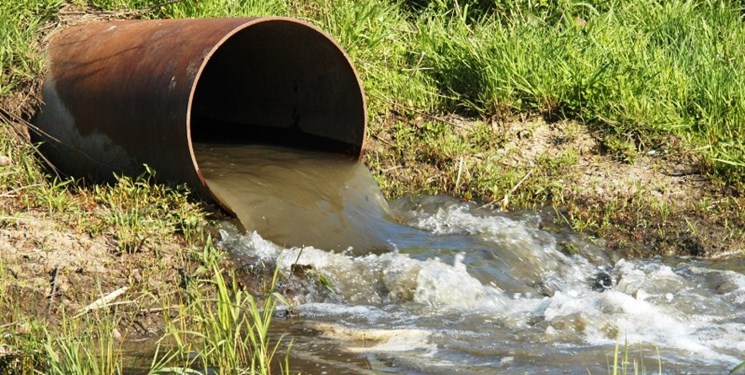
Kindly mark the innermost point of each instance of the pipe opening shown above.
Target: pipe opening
(152, 90)
(278, 81)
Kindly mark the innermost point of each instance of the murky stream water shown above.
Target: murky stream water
(297, 198)
(464, 289)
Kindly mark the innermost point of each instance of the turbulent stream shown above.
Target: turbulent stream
(431, 285)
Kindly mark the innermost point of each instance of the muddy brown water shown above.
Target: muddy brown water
(298, 198)
(432, 285)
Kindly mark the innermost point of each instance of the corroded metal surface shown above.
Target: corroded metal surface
(126, 93)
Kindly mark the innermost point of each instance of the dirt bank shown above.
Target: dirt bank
(640, 203)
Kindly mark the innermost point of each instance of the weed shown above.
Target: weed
(20, 57)
(620, 149)
(74, 352)
(223, 8)
(622, 365)
(228, 331)
(738, 368)
(136, 210)
(21, 345)
(626, 69)
(232, 330)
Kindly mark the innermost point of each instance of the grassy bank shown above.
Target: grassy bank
(207, 324)
(644, 73)
(457, 92)
(630, 71)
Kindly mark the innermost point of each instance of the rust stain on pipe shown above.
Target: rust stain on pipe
(121, 94)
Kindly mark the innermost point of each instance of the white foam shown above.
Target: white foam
(500, 229)
(336, 309)
(359, 340)
(358, 279)
(613, 316)
(442, 284)
(531, 252)
(681, 309)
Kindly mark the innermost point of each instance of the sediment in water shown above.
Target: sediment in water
(295, 197)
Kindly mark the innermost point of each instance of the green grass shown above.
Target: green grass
(467, 160)
(226, 331)
(210, 326)
(136, 210)
(632, 69)
(624, 363)
(85, 345)
(20, 56)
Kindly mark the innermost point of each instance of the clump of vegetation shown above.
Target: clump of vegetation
(229, 334)
(134, 210)
(21, 62)
(210, 325)
(623, 362)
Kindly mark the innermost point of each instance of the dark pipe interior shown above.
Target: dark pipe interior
(282, 83)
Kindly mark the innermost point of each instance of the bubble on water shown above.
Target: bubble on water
(368, 340)
(442, 284)
(680, 308)
(367, 312)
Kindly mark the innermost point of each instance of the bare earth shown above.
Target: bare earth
(55, 268)
(660, 178)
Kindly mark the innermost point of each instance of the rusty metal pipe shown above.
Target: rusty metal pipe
(121, 94)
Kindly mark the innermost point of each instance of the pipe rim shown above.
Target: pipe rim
(249, 23)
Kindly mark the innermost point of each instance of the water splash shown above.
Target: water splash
(434, 285)
(298, 198)
(495, 292)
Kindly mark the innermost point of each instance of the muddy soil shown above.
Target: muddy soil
(50, 267)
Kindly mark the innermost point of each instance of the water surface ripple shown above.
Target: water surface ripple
(443, 286)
